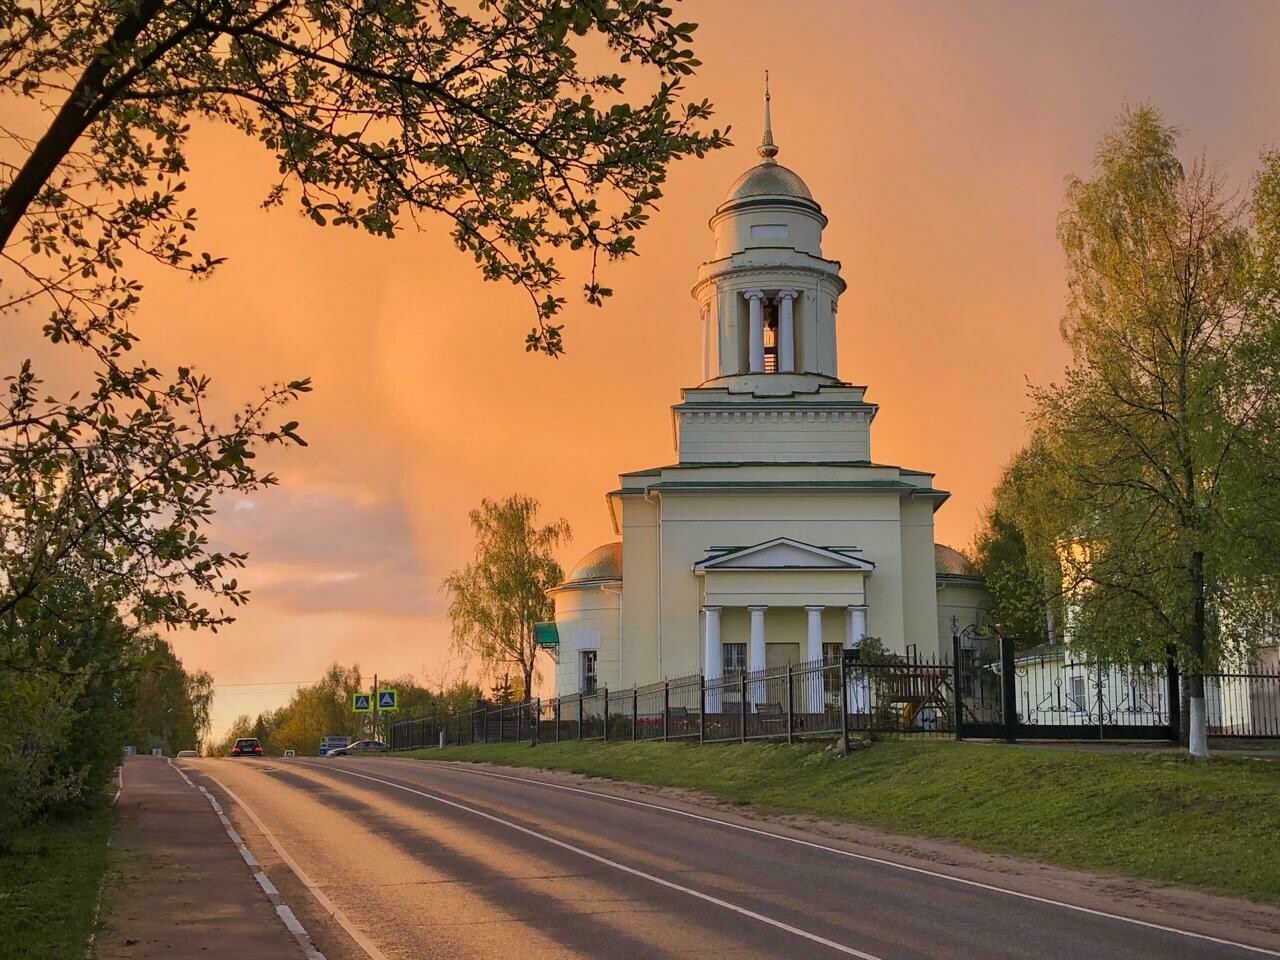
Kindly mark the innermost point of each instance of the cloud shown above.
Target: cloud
(326, 551)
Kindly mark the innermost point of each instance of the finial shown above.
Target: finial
(767, 149)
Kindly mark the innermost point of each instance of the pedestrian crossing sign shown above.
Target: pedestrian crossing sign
(387, 700)
(360, 703)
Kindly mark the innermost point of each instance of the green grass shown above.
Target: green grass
(49, 886)
(1152, 814)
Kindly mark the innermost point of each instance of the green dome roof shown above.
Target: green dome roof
(950, 562)
(602, 563)
(768, 179)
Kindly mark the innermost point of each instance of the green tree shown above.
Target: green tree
(1162, 433)
(495, 600)
(1015, 553)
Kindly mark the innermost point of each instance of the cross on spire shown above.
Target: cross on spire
(767, 149)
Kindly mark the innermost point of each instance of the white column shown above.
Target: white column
(713, 658)
(814, 651)
(855, 624)
(786, 331)
(755, 336)
(706, 343)
(855, 627)
(755, 656)
(814, 695)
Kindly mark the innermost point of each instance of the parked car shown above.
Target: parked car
(359, 747)
(332, 743)
(290, 753)
(187, 753)
(246, 747)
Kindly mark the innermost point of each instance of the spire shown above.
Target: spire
(767, 149)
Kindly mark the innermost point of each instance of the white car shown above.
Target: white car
(290, 753)
(187, 753)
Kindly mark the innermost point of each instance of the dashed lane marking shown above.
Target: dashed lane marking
(365, 944)
(282, 909)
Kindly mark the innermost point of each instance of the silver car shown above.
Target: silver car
(360, 747)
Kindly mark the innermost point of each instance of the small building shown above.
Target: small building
(774, 536)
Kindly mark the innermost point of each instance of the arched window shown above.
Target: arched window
(771, 337)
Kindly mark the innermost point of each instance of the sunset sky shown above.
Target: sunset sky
(937, 138)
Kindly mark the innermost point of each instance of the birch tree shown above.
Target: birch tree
(1162, 436)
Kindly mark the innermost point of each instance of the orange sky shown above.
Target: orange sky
(936, 137)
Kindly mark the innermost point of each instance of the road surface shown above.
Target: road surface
(404, 859)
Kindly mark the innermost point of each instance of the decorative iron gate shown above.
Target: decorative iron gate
(1052, 693)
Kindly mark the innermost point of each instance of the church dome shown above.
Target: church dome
(768, 179)
(602, 563)
(950, 562)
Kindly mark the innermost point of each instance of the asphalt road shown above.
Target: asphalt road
(423, 860)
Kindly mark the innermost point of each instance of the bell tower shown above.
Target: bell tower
(767, 304)
(767, 299)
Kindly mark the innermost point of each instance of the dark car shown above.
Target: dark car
(359, 747)
(246, 747)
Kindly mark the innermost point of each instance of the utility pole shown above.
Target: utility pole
(375, 708)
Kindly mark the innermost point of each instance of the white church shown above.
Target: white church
(774, 537)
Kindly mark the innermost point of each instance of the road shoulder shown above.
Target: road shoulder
(176, 884)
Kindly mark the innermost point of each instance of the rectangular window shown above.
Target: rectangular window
(735, 660)
(768, 230)
(588, 673)
(1077, 699)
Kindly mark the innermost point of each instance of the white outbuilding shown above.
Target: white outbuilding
(775, 537)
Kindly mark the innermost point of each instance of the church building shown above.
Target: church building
(775, 537)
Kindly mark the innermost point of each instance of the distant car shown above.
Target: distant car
(290, 753)
(332, 743)
(187, 753)
(359, 747)
(247, 747)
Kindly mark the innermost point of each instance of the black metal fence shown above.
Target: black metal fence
(986, 690)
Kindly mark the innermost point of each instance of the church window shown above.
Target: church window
(1077, 699)
(588, 675)
(735, 660)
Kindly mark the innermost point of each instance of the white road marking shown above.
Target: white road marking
(365, 944)
(282, 909)
(1263, 951)
(796, 931)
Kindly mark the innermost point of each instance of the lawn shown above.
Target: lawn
(1149, 814)
(49, 887)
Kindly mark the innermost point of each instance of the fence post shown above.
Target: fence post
(579, 716)
(606, 713)
(635, 710)
(536, 721)
(791, 700)
(1008, 690)
(844, 704)
(1174, 696)
(742, 707)
(702, 709)
(519, 717)
(555, 712)
(666, 709)
(957, 698)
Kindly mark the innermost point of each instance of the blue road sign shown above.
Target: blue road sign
(360, 702)
(387, 700)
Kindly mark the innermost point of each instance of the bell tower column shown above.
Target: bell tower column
(786, 331)
(755, 337)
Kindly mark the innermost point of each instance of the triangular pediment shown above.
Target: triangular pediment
(783, 553)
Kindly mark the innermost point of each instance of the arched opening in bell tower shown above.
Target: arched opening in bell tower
(771, 336)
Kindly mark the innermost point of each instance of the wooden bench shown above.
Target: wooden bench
(770, 713)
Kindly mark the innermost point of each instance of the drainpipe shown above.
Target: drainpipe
(654, 500)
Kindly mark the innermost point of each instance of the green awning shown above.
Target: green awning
(546, 636)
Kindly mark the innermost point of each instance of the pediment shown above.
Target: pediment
(783, 553)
